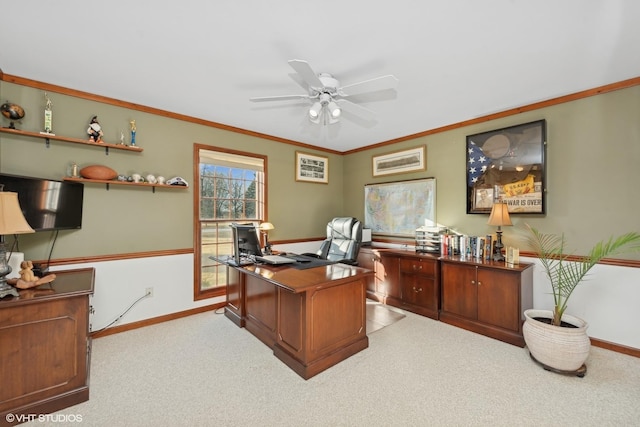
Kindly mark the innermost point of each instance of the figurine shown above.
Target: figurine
(95, 130)
(26, 272)
(121, 138)
(133, 132)
(29, 280)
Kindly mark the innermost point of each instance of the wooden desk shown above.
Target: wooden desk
(312, 318)
(44, 346)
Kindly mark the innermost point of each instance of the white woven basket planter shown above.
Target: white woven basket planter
(561, 348)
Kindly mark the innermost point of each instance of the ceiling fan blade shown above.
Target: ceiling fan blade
(306, 72)
(278, 98)
(356, 110)
(373, 85)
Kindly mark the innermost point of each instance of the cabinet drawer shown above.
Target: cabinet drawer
(418, 265)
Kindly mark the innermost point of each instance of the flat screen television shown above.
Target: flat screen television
(47, 204)
(246, 244)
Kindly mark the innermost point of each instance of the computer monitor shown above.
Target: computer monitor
(245, 243)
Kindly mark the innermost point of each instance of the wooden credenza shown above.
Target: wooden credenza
(311, 318)
(404, 279)
(486, 297)
(45, 346)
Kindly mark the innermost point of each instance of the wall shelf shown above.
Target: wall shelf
(134, 184)
(48, 137)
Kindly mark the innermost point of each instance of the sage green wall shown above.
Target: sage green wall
(593, 170)
(133, 219)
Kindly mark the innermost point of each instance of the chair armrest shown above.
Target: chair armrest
(309, 254)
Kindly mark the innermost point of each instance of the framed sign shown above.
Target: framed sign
(400, 162)
(312, 168)
(507, 165)
(398, 208)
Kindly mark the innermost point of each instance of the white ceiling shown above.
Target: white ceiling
(455, 59)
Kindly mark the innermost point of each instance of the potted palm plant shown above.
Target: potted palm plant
(556, 340)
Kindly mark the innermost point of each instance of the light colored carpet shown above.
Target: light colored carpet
(204, 371)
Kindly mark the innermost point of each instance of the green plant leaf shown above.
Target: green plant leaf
(566, 274)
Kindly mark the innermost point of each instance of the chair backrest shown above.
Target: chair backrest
(344, 238)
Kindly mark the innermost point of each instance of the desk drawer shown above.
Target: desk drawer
(418, 266)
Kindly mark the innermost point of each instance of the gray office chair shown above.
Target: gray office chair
(344, 238)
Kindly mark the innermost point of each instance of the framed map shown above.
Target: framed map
(398, 208)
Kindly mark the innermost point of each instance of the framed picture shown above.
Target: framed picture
(398, 208)
(312, 168)
(400, 162)
(482, 198)
(507, 165)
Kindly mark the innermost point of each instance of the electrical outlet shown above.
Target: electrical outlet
(149, 292)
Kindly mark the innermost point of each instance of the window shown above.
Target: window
(230, 187)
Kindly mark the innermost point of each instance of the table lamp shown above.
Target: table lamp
(499, 216)
(11, 222)
(265, 227)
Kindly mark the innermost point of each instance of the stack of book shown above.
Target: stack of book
(443, 241)
(477, 247)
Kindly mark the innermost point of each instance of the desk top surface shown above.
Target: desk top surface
(67, 283)
(302, 280)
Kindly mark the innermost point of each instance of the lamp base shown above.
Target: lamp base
(497, 249)
(6, 289)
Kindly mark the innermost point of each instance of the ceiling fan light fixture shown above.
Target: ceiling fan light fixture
(334, 110)
(314, 112)
(328, 97)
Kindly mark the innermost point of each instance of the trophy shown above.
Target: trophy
(48, 116)
(133, 132)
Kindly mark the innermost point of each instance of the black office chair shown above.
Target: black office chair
(344, 238)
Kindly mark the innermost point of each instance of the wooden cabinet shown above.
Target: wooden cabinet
(403, 279)
(45, 346)
(420, 285)
(385, 265)
(486, 297)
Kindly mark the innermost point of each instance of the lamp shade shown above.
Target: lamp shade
(499, 215)
(11, 219)
(266, 226)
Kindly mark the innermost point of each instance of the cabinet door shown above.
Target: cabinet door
(498, 298)
(459, 290)
(387, 272)
(385, 267)
(367, 259)
(419, 290)
(418, 282)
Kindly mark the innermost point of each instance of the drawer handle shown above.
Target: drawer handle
(479, 283)
(417, 290)
(473, 282)
(417, 267)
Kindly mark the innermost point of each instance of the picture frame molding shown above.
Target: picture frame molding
(308, 165)
(395, 159)
(508, 154)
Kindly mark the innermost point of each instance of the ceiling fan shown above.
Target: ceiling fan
(328, 97)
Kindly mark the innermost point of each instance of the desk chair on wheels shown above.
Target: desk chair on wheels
(344, 238)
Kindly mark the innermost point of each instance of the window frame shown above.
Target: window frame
(198, 292)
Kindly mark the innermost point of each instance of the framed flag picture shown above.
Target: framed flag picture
(507, 165)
